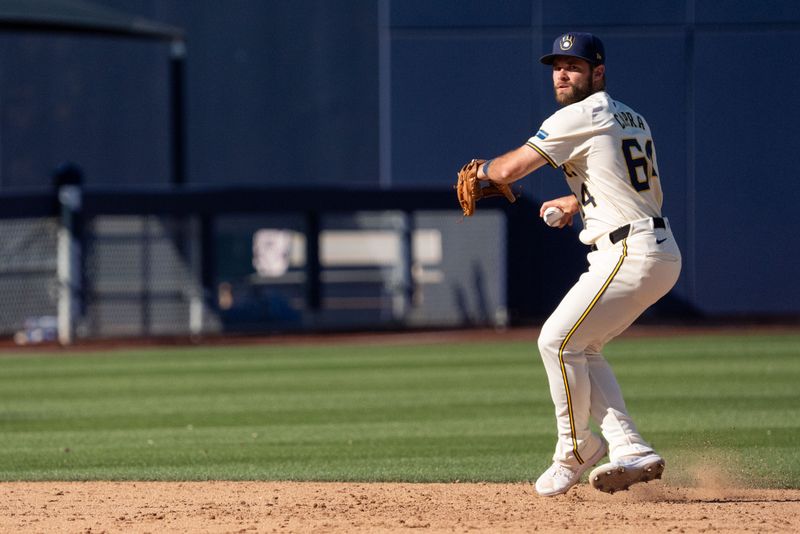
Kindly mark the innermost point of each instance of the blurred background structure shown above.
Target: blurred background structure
(170, 167)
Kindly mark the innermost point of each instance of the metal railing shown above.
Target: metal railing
(185, 219)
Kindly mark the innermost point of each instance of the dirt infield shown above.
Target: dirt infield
(337, 507)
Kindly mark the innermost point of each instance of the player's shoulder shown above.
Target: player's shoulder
(601, 102)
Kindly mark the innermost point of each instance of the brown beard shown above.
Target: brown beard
(578, 93)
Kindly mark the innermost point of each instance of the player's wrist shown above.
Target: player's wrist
(485, 170)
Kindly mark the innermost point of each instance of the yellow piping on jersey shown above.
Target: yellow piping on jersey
(543, 154)
(566, 341)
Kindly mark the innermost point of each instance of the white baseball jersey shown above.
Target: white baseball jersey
(607, 154)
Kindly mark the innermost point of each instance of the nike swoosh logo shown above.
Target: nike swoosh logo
(659, 241)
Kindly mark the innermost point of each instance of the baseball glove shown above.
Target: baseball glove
(469, 188)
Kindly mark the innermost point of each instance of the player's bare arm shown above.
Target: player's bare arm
(567, 204)
(511, 166)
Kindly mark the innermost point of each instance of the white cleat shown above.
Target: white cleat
(559, 478)
(627, 471)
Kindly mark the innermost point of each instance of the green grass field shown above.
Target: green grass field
(438, 412)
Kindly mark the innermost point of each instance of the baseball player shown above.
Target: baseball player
(608, 157)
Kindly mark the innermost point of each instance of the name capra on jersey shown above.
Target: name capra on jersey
(608, 157)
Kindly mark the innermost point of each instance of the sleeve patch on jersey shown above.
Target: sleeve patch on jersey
(541, 134)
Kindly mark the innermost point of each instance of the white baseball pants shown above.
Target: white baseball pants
(623, 280)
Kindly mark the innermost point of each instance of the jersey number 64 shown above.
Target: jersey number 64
(641, 166)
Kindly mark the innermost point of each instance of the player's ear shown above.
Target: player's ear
(599, 72)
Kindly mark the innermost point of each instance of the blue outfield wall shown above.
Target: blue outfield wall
(402, 92)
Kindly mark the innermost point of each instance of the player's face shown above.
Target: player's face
(573, 79)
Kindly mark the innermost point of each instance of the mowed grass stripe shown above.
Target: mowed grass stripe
(431, 412)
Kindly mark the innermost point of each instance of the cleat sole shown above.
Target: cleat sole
(621, 478)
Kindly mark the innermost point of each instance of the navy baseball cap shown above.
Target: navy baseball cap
(583, 45)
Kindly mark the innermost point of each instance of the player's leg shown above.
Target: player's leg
(609, 411)
(562, 341)
(651, 275)
(603, 301)
(606, 300)
(608, 408)
(642, 279)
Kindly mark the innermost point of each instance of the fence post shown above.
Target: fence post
(403, 297)
(69, 261)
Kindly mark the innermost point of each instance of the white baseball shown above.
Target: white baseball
(552, 216)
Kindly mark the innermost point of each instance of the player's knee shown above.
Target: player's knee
(548, 342)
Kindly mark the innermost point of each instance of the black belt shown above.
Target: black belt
(622, 232)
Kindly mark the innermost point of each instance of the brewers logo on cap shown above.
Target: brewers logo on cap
(576, 44)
